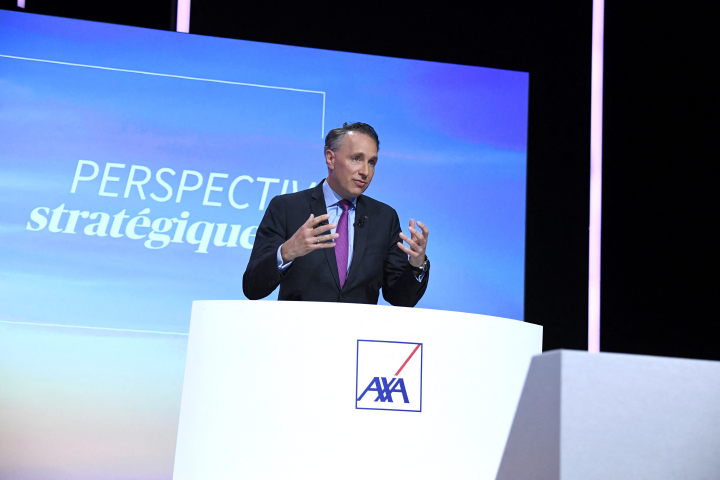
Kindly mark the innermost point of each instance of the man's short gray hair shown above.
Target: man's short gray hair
(336, 135)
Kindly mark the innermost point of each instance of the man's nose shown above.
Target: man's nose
(364, 169)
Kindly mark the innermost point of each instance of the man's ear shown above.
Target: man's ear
(330, 159)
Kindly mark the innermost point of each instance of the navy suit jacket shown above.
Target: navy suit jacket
(377, 264)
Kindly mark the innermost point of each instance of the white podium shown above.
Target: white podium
(277, 390)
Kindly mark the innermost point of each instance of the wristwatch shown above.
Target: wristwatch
(422, 268)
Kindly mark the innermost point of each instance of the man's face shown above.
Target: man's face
(352, 167)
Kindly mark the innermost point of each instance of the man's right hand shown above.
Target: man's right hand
(308, 238)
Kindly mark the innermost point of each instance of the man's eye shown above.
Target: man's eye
(372, 162)
(356, 159)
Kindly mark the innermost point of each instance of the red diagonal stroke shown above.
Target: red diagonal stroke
(408, 359)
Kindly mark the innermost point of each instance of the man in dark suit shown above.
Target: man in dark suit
(331, 243)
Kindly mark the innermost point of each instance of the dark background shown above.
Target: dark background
(658, 267)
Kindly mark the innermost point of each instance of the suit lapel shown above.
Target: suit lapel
(318, 208)
(360, 240)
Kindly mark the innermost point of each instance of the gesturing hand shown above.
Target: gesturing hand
(417, 243)
(308, 238)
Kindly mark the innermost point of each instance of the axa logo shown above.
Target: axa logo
(385, 391)
(389, 376)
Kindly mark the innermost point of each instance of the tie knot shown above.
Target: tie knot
(345, 205)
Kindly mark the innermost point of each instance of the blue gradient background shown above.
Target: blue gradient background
(104, 403)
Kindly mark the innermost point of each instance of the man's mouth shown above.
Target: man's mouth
(360, 183)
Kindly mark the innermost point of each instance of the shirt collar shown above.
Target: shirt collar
(332, 198)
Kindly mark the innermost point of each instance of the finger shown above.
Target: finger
(407, 250)
(322, 229)
(406, 238)
(309, 220)
(419, 240)
(319, 219)
(425, 229)
(412, 223)
(410, 242)
(323, 245)
(317, 239)
(416, 235)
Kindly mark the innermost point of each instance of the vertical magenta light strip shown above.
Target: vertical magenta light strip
(596, 114)
(183, 16)
(21, 3)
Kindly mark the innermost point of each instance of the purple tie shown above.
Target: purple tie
(341, 243)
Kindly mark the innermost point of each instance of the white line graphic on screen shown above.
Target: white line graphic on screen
(183, 77)
(93, 328)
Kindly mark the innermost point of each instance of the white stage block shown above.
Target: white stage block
(585, 416)
(271, 391)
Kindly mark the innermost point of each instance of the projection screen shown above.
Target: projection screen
(135, 167)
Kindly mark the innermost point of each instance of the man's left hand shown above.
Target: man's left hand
(418, 243)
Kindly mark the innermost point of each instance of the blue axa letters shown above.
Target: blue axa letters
(385, 390)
